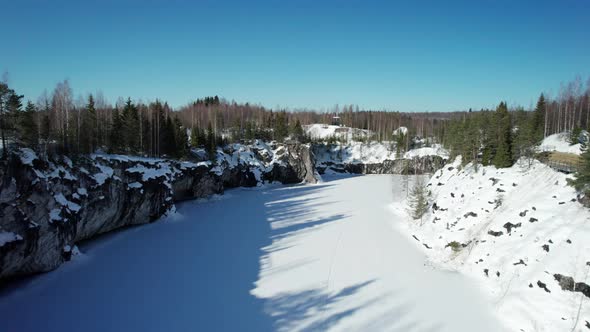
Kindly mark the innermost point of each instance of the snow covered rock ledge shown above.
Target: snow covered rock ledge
(47, 206)
(377, 158)
(520, 232)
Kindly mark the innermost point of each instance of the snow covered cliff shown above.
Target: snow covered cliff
(377, 158)
(520, 232)
(47, 206)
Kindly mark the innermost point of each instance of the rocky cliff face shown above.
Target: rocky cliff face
(47, 206)
(377, 158)
(417, 165)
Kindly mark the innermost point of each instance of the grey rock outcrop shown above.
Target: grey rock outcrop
(47, 206)
(418, 165)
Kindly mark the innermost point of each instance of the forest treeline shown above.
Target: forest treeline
(497, 137)
(500, 137)
(59, 123)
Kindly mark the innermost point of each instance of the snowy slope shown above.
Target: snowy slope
(559, 142)
(514, 229)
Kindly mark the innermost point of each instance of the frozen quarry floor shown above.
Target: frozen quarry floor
(305, 257)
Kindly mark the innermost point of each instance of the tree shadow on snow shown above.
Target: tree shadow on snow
(310, 309)
(193, 274)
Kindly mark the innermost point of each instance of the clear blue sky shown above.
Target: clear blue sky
(406, 56)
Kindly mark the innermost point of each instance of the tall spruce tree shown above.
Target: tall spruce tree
(488, 139)
(10, 106)
(582, 177)
(524, 138)
(180, 138)
(281, 127)
(539, 119)
(503, 155)
(418, 200)
(249, 130)
(89, 132)
(117, 138)
(168, 137)
(196, 137)
(27, 127)
(297, 131)
(4, 93)
(131, 133)
(45, 131)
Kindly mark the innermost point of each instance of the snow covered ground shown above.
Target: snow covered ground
(512, 230)
(305, 257)
(559, 142)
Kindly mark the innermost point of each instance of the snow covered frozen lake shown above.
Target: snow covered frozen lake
(304, 257)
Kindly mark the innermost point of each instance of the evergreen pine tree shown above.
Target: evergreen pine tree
(249, 132)
(524, 139)
(503, 155)
(117, 138)
(45, 131)
(10, 106)
(574, 135)
(27, 127)
(160, 130)
(539, 119)
(489, 141)
(130, 117)
(4, 92)
(168, 138)
(281, 128)
(418, 200)
(88, 134)
(297, 131)
(195, 137)
(180, 138)
(582, 177)
(400, 144)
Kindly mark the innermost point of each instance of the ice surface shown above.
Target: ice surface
(305, 257)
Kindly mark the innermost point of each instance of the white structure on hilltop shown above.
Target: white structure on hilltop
(336, 120)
